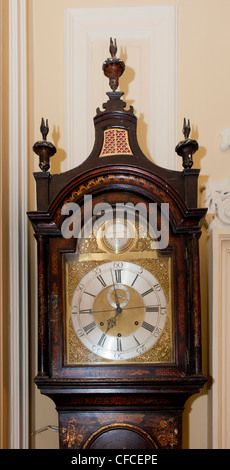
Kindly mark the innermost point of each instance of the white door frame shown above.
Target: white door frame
(18, 260)
(217, 199)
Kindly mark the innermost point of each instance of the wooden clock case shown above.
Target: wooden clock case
(118, 405)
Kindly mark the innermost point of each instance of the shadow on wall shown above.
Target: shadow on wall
(142, 126)
(60, 156)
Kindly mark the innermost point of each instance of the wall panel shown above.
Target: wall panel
(147, 42)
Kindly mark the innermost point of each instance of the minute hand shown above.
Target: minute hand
(112, 309)
(116, 296)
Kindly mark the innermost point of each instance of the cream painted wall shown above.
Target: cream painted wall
(203, 96)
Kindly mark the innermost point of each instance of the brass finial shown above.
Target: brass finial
(113, 67)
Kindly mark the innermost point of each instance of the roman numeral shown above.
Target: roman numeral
(119, 347)
(148, 326)
(136, 340)
(90, 327)
(134, 280)
(88, 293)
(87, 310)
(118, 275)
(152, 308)
(100, 278)
(147, 292)
(102, 339)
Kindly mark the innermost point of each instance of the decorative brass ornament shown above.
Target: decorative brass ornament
(120, 426)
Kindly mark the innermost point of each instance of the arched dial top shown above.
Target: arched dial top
(119, 310)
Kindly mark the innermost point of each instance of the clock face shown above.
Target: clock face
(119, 310)
(118, 293)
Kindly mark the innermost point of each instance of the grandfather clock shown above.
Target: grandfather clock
(119, 341)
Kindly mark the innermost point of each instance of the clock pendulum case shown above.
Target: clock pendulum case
(119, 321)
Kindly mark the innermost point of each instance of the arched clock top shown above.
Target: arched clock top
(124, 179)
(116, 146)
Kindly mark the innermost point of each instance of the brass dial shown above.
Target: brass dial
(119, 310)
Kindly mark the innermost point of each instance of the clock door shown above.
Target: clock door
(119, 293)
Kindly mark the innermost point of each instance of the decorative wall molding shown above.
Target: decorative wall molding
(18, 295)
(147, 42)
(225, 135)
(219, 313)
(216, 197)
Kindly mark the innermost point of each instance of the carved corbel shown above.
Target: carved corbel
(216, 197)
